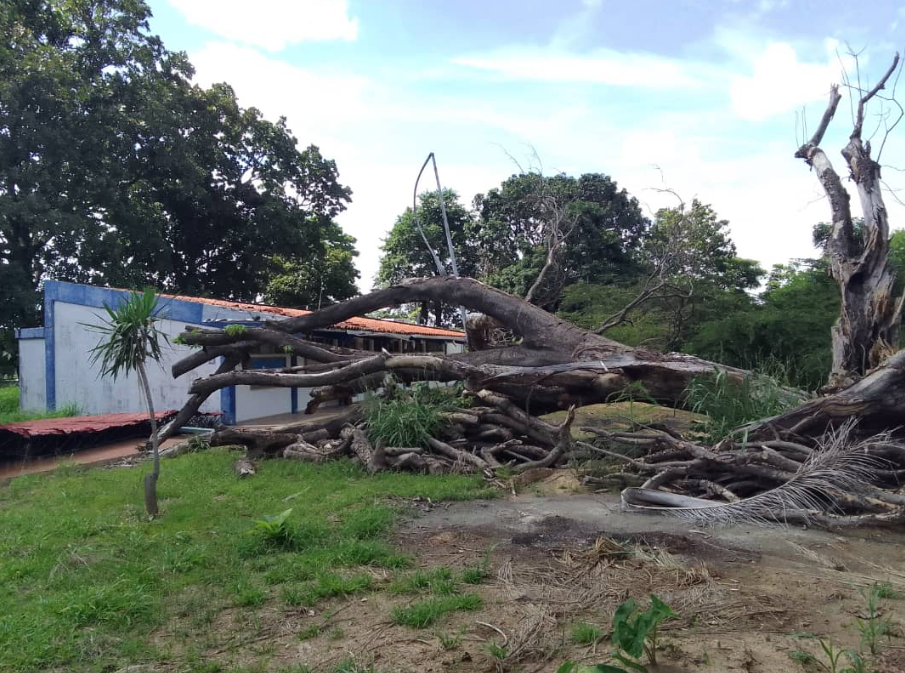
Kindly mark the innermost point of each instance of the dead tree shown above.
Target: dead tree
(867, 331)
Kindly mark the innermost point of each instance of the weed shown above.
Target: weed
(275, 530)
(422, 614)
(638, 636)
(326, 585)
(248, 595)
(474, 574)
(498, 652)
(365, 523)
(585, 634)
(449, 641)
(353, 666)
(436, 581)
(729, 404)
(887, 591)
(833, 656)
(635, 391)
(312, 631)
(873, 626)
(408, 417)
(477, 573)
(235, 330)
(802, 657)
(11, 413)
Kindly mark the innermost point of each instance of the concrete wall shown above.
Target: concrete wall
(57, 370)
(78, 381)
(31, 375)
(260, 401)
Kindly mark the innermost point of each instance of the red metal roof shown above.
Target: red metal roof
(363, 324)
(67, 426)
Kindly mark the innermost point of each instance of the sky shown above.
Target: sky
(708, 98)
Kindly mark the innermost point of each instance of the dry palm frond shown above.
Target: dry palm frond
(839, 467)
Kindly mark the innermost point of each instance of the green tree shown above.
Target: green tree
(687, 273)
(129, 339)
(115, 169)
(788, 329)
(63, 68)
(216, 191)
(319, 279)
(404, 254)
(606, 226)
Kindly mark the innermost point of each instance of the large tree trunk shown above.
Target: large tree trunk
(556, 364)
(867, 331)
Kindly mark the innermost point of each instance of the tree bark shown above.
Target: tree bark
(556, 364)
(154, 474)
(867, 331)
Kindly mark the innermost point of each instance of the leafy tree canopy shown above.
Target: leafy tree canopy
(606, 226)
(115, 169)
(317, 280)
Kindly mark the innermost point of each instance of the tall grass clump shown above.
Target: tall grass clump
(408, 417)
(729, 403)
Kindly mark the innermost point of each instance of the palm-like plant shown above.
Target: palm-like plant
(131, 338)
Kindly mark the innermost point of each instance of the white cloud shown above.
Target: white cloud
(272, 24)
(379, 132)
(613, 68)
(780, 82)
(317, 102)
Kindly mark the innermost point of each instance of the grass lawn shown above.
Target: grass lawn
(10, 413)
(86, 581)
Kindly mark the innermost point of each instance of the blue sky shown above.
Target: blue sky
(705, 97)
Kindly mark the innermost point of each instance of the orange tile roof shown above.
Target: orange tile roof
(364, 324)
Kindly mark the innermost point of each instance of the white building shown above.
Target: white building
(55, 367)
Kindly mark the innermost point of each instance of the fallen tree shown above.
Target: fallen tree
(553, 364)
(835, 460)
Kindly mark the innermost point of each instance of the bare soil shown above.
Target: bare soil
(746, 597)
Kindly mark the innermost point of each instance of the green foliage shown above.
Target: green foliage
(888, 591)
(275, 529)
(117, 169)
(873, 627)
(802, 657)
(354, 666)
(729, 404)
(404, 254)
(235, 330)
(638, 636)
(129, 335)
(475, 574)
(585, 634)
(84, 578)
(422, 614)
(435, 580)
(498, 652)
(514, 221)
(790, 324)
(10, 412)
(325, 585)
(832, 661)
(408, 417)
(449, 641)
(322, 277)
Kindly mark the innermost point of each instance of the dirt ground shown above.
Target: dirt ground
(746, 597)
